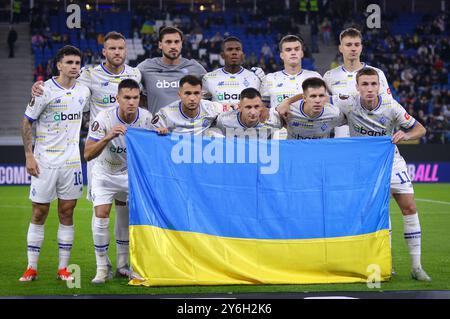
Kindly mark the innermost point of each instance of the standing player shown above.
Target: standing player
(55, 165)
(288, 82)
(342, 80)
(371, 114)
(103, 81)
(191, 114)
(224, 85)
(313, 117)
(161, 76)
(109, 174)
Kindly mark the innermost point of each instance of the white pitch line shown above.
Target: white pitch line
(432, 201)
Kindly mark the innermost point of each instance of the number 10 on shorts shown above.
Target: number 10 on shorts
(78, 178)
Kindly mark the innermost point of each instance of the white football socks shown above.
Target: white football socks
(35, 237)
(122, 235)
(412, 234)
(65, 242)
(100, 231)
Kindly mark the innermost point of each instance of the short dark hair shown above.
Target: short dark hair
(366, 71)
(190, 79)
(114, 35)
(230, 39)
(250, 93)
(128, 84)
(67, 50)
(350, 32)
(169, 30)
(313, 83)
(289, 38)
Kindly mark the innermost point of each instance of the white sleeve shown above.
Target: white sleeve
(265, 86)
(36, 106)
(85, 78)
(98, 128)
(327, 79)
(384, 85)
(161, 120)
(402, 117)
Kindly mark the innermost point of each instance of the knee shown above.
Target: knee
(409, 209)
(39, 215)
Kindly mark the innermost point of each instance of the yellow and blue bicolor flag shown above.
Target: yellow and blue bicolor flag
(200, 215)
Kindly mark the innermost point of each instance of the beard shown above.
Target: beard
(171, 56)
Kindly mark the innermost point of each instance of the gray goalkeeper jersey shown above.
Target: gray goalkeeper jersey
(161, 81)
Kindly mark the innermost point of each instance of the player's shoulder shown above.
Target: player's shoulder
(170, 108)
(228, 115)
(82, 88)
(310, 73)
(131, 70)
(333, 72)
(213, 74)
(145, 113)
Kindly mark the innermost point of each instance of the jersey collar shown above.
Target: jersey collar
(187, 117)
(378, 106)
(107, 72)
(290, 75)
(343, 69)
(122, 121)
(228, 73)
(302, 104)
(60, 87)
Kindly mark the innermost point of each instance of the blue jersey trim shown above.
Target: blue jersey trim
(60, 87)
(93, 138)
(302, 103)
(29, 118)
(107, 72)
(122, 121)
(187, 117)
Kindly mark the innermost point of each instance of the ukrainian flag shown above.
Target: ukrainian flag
(318, 215)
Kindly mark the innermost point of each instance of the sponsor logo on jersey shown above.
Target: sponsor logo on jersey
(66, 117)
(279, 85)
(58, 101)
(407, 116)
(363, 131)
(117, 149)
(227, 96)
(107, 99)
(166, 84)
(105, 83)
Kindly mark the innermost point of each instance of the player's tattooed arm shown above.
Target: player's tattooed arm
(27, 137)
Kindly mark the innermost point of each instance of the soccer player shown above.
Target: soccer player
(103, 81)
(288, 82)
(191, 114)
(371, 114)
(161, 76)
(110, 175)
(313, 117)
(248, 120)
(342, 80)
(55, 164)
(225, 84)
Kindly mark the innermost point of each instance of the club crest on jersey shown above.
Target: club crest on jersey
(382, 120)
(246, 83)
(185, 71)
(155, 119)
(95, 126)
(81, 100)
(205, 123)
(324, 127)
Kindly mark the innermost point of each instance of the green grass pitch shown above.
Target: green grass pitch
(433, 201)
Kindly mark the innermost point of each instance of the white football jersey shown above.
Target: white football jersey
(302, 126)
(341, 81)
(103, 85)
(381, 121)
(226, 87)
(279, 86)
(113, 158)
(58, 114)
(173, 118)
(230, 125)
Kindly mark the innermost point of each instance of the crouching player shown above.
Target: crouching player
(110, 173)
